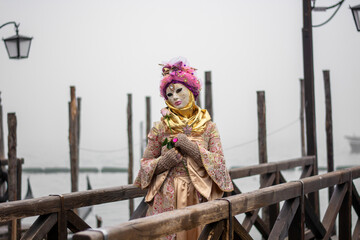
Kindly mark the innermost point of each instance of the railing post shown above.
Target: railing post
(345, 213)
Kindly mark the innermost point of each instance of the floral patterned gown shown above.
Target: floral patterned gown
(187, 183)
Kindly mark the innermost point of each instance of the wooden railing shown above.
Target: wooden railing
(295, 213)
(56, 214)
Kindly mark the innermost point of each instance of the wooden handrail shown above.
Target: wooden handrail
(204, 213)
(49, 204)
(271, 167)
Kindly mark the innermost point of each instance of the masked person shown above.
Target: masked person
(183, 163)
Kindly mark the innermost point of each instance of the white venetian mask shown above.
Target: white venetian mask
(178, 95)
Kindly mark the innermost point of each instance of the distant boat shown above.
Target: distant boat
(354, 143)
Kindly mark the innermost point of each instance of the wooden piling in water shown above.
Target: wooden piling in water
(208, 94)
(198, 100)
(74, 131)
(261, 108)
(262, 127)
(328, 127)
(14, 226)
(2, 146)
(141, 138)
(148, 116)
(302, 120)
(311, 139)
(130, 146)
(2, 150)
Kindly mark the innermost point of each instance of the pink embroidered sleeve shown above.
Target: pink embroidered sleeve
(213, 159)
(149, 161)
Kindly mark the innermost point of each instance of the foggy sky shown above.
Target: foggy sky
(110, 48)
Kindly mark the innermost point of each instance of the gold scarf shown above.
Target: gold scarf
(191, 115)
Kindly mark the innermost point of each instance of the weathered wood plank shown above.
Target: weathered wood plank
(40, 227)
(75, 223)
(262, 227)
(140, 211)
(307, 170)
(250, 219)
(283, 222)
(312, 220)
(240, 231)
(355, 200)
(252, 216)
(297, 226)
(270, 167)
(333, 208)
(356, 233)
(345, 214)
(212, 231)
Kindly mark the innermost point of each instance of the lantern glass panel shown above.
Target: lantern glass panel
(24, 47)
(11, 47)
(356, 13)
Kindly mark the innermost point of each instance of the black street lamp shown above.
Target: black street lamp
(356, 13)
(17, 46)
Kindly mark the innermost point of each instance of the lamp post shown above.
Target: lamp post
(17, 46)
(356, 13)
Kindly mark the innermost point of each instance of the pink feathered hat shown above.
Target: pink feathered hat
(178, 71)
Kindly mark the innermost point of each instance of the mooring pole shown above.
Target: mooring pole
(14, 231)
(130, 146)
(328, 127)
(2, 150)
(73, 141)
(208, 94)
(302, 117)
(148, 116)
(261, 109)
(309, 94)
(198, 100)
(141, 139)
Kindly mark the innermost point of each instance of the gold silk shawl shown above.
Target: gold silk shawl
(191, 115)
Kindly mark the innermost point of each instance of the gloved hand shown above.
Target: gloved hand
(170, 159)
(189, 148)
